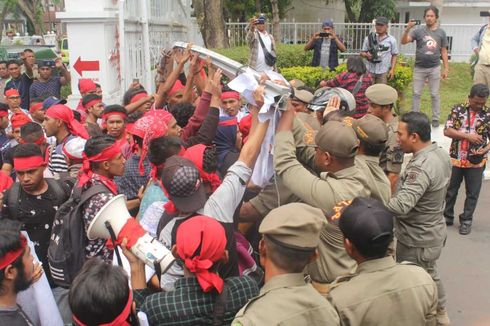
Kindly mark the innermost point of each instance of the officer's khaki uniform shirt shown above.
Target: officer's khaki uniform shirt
(391, 159)
(287, 300)
(384, 293)
(419, 202)
(484, 55)
(378, 182)
(323, 192)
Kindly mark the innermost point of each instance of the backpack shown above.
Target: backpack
(66, 251)
(61, 192)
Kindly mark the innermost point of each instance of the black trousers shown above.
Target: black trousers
(473, 180)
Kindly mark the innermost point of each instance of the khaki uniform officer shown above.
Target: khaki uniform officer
(420, 228)
(339, 180)
(381, 98)
(373, 134)
(381, 292)
(290, 238)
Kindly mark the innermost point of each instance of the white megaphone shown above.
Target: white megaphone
(114, 214)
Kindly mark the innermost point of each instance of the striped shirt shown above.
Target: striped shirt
(57, 161)
(52, 87)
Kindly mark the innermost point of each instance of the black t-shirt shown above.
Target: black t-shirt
(14, 317)
(37, 213)
(8, 155)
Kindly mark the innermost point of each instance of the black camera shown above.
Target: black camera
(324, 34)
(417, 21)
(375, 48)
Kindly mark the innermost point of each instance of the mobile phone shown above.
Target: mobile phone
(136, 81)
(324, 34)
(417, 21)
(485, 13)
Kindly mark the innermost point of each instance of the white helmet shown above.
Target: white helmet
(323, 95)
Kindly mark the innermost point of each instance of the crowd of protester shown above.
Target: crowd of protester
(337, 234)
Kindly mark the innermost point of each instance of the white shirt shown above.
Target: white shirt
(267, 39)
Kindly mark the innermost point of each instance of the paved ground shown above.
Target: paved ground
(465, 261)
(465, 266)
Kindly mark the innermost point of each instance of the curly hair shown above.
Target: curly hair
(182, 112)
(209, 160)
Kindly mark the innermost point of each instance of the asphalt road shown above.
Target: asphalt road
(465, 265)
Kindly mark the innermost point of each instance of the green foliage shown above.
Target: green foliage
(287, 55)
(371, 9)
(245, 9)
(65, 91)
(312, 75)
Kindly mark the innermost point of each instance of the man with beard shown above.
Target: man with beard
(17, 273)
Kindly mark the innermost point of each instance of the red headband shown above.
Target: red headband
(92, 103)
(12, 255)
(65, 114)
(41, 140)
(209, 235)
(196, 155)
(178, 86)
(230, 94)
(138, 97)
(106, 116)
(3, 114)
(35, 107)
(28, 163)
(11, 92)
(86, 85)
(121, 319)
(107, 154)
(19, 119)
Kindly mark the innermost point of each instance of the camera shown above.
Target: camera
(485, 13)
(417, 21)
(375, 48)
(324, 34)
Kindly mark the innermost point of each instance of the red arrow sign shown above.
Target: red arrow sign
(81, 66)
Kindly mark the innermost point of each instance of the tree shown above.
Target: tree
(366, 10)
(209, 15)
(276, 27)
(33, 10)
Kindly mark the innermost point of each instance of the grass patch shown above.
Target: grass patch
(453, 90)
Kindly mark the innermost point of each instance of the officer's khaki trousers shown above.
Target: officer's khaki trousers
(425, 258)
(482, 75)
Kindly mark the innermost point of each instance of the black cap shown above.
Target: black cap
(367, 223)
(51, 101)
(382, 20)
(183, 183)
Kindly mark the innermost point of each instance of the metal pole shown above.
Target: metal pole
(146, 46)
(122, 47)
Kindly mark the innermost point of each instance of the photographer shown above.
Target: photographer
(261, 43)
(480, 43)
(326, 45)
(380, 50)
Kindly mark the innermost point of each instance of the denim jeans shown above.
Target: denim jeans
(433, 76)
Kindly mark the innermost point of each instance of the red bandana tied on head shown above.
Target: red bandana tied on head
(11, 92)
(209, 235)
(86, 173)
(12, 255)
(152, 125)
(121, 319)
(65, 114)
(178, 86)
(138, 97)
(196, 155)
(17, 120)
(230, 94)
(35, 107)
(86, 85)
(92, 103)
(28, 163)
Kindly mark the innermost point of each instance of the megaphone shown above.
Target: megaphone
(115, 215)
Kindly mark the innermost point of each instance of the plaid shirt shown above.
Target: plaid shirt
(189, 305)
(130, 183)
(348, 80)
(254, 44)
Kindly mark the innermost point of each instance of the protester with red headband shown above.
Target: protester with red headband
(231, 104)
(13, 99)
(21, 81)
(35, 110)
(17, 120)
(201, 245)
(4, 123)
(103, 161)
(111, 299)
(114, 123)
(60, 123)
(16, 273)
(85, 86)
(137, 100)
(33, 133)
(34, 199)
(94, 107)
